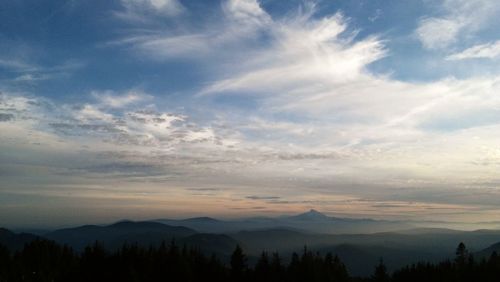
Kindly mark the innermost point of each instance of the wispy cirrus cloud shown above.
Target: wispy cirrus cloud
(486, 51)
(19, 72)
(142, 10)
(240, 21)
(303, 49)
(110, 99)
(16, 65)
(458, 18)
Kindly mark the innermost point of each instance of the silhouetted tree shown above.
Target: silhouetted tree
(461, 254)
(277, 269)
(238, 264)
(262, 270)
(380, 274)
(334, 270)
(293, 271)
(93, 263)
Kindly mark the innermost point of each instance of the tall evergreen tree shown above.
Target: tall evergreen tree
(238, 264)
(461, 254)
(380, 274)
(262, 270)
(277, 268)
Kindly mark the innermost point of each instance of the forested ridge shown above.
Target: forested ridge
(45, 260)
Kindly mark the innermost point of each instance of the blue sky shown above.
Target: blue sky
(155, 108)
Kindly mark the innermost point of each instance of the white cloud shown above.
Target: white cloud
(488, 50)
(21, 73)
(91, 113)
(167, 7)
(104, 122)
(247, 12)
(241, 20)
(111, 99)
(17, 65)
(142, 10)
(435, 33)
(161, 46)
(460, 18)
(303, 51)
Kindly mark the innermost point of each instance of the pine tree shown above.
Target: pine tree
(238, 264)
(277, 269)
(461, 254)
(380, 274)
(262, 268)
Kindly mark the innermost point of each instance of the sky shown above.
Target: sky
(146, 109)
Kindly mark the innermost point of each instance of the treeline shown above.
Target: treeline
(44, 260)
(463, 268)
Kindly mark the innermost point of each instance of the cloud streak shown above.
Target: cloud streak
(142, 10)
(485, 51)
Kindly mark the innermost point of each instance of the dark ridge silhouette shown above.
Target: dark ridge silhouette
(487, 252)
(15, 241)
(114, 235)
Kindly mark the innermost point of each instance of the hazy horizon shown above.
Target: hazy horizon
(145, 109)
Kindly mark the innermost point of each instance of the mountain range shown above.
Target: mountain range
(359, 251)
(309, 222)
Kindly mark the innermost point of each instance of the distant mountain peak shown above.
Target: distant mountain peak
(311, 215)
(313, 212)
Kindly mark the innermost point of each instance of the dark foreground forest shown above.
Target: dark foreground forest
(44, 260)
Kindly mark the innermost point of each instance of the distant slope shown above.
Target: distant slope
(315, 221)
(486, 253)
(202, 224)
(311, 221)
(15, 241)
(115, 235)
(419, 231)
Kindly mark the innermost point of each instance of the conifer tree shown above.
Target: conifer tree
(380, 274)
(238, 264)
